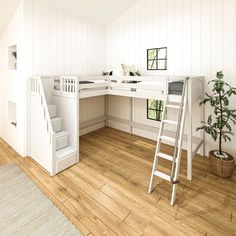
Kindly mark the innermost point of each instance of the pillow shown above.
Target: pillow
(117, 71)
(129, 70)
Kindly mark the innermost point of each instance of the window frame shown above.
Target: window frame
(157, 110)
(157, 59)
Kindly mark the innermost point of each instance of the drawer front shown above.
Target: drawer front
(66, 162)
(52, 111)
(62, 142)
(56, 125)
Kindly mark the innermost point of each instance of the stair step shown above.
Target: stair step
(62, 140)
(167, 138)
(65, 152)
(172, 122)
(56, 124)
(162, 175)
(165, 156)
(173, 106)
(52, 109)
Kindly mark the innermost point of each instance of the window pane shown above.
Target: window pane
(152, 54)
(162, 53)
(151, 103)
(152, 64)
(155, 109)
(159, 115)
(152, 114)
(161, 64)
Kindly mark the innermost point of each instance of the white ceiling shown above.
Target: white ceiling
(100, 11)
(7, 10)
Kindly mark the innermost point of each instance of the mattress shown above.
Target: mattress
(176, 87)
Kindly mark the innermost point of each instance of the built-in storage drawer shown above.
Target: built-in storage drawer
(57, 124)
(66, 162)
(52, 109)
(62, 140)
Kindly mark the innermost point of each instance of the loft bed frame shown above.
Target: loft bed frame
(151, 87)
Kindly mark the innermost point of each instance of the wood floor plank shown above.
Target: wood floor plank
(106, 216)
(106, 193)
(117, 209)
(93, 223)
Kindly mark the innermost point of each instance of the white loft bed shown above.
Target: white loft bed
(151, 87)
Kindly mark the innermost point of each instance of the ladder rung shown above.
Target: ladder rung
(167, 138)
(173, 106)
(165, 177)
(162, 175)
(171, 122)
(165, 156)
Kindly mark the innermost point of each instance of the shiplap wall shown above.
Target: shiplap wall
(200, 36)
(57, 43)
(62, 44)
(9, 82)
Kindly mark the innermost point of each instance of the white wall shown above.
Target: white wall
(9, 82)
(49, 43)
(61, 44)
(200, 36)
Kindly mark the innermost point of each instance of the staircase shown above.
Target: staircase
(62, 137)
(54, 148)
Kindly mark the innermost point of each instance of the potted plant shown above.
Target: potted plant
(218, 125)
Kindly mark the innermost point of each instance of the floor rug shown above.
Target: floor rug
(25, 210)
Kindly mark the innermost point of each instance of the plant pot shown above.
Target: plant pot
(221, 168)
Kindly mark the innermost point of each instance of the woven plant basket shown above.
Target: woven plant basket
(221, 168)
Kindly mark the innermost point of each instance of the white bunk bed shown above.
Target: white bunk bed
(151, 87)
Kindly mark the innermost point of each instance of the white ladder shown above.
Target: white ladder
(177, 141)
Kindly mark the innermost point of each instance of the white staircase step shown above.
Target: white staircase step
(65, 152)
(162, 175)
(52, 109)
(167, 138)
(172, 122)
(56, 124)
(172, 106)
(62, 140)
(165, 156)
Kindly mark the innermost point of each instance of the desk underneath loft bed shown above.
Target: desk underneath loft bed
(151, 87)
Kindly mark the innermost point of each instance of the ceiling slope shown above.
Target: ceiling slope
(100, 11)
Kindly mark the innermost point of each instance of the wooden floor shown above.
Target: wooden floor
(106, 193)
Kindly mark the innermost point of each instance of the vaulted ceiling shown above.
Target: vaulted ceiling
(7, 10)
(100, 11)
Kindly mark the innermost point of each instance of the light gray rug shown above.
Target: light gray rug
(25, 210)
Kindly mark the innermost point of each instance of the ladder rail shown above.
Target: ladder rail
(178, 135)
(178, 159)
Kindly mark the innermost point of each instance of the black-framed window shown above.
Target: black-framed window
(157, 58)
(155, 109)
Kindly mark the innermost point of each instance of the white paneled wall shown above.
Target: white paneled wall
(62, 44)
(92, 110)
(200, 36)
(10, 84)
(49, 42)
